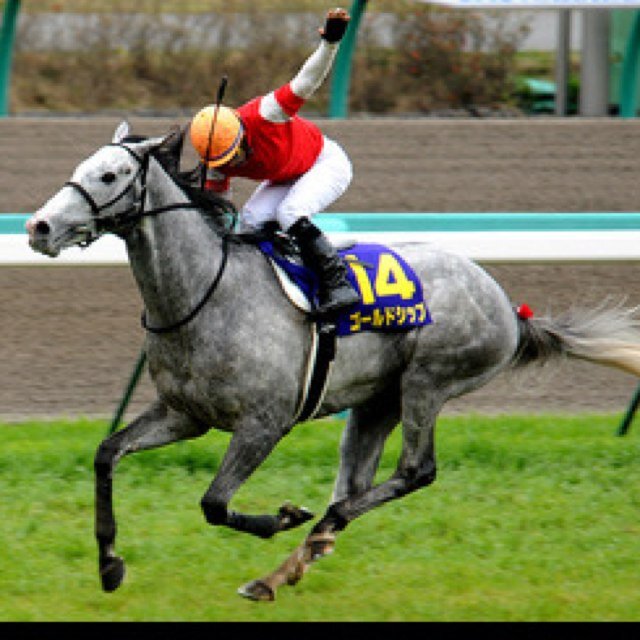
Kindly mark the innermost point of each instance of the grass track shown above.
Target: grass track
(531, 519)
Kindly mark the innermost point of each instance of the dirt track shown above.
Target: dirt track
(71, 335)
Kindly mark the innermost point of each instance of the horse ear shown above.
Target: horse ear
(144, 146)
(121, 132)
(173, 141)
(170, 150)
(167, 145)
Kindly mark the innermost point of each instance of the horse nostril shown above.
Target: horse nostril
(42, 228)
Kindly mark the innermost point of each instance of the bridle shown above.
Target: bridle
(118, 223)
(128, 217)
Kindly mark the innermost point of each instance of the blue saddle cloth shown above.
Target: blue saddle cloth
(391, 296)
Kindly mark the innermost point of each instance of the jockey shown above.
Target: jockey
(301, 171)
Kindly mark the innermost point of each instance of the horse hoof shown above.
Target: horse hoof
(257, 590)
(112, 573)
(291, 516)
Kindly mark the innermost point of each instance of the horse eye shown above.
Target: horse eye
(108, 177)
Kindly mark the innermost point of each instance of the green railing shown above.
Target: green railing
(341, 79)
(7, 37)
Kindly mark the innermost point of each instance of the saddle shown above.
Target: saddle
(391, 295)
(391, 299)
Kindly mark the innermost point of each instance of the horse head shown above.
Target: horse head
(105, 194)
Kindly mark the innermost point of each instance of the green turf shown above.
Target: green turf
(530, 519)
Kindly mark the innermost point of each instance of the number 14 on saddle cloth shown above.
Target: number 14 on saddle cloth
(391, 295)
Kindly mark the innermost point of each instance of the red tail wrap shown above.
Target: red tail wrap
(524, 311)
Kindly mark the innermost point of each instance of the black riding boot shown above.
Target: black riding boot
(319, 254)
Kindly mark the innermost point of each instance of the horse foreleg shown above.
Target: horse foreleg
(250, 445)
(154, 428)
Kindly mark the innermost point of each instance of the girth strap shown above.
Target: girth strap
(320, 363)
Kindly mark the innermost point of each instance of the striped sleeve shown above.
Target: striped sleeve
(289, 102)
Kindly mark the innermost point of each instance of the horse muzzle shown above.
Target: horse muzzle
(39, 231)
(45, 238)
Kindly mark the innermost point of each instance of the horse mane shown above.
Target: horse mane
(215, 209)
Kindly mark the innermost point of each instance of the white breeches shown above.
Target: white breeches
(309, 194)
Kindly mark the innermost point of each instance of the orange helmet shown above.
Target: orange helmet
(227, 134)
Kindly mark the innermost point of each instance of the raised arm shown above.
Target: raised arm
(280, 105)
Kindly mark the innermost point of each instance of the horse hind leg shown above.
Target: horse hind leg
(156, 427)
(363, 439)
(422, 401)
(416, 468)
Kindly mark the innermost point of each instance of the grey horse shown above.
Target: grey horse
(226, 349)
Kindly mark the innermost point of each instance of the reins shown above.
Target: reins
(133, 215)
(194, 312)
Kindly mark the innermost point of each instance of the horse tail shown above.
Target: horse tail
(607, 335)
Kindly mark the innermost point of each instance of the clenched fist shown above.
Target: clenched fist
(335, 25)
